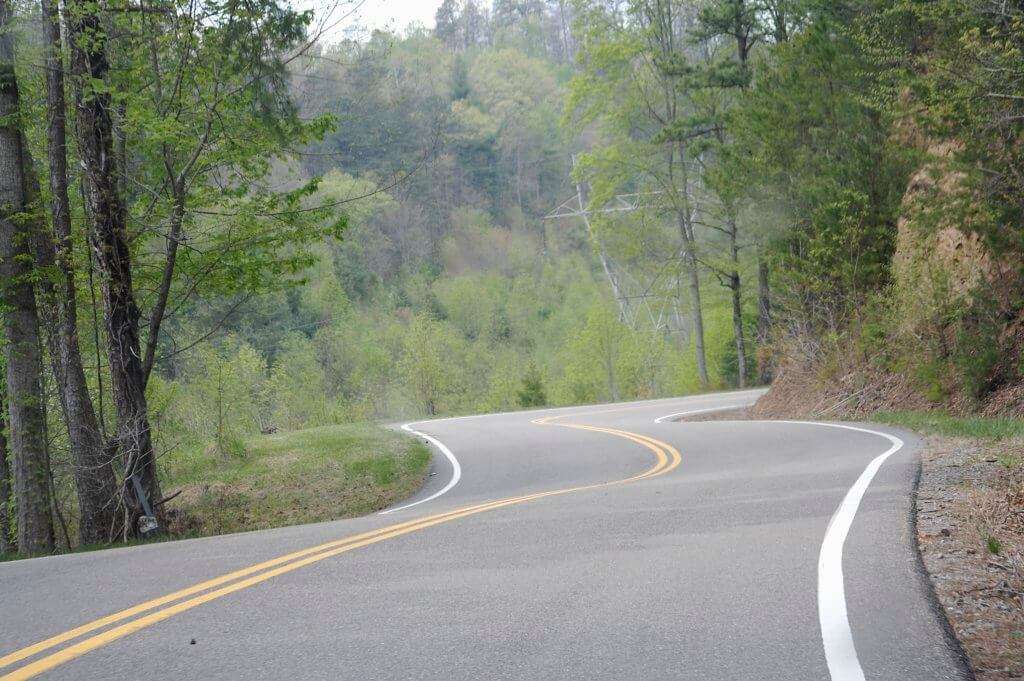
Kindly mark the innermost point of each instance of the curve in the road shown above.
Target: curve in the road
(667, 459)
(456, 470)
(836, 633)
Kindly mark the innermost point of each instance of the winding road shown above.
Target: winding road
(605, 542)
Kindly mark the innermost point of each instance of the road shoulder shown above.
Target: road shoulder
(971, 541)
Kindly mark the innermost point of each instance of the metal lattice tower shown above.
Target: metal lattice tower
(640, 303)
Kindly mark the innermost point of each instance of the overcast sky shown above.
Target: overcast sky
(370, 14)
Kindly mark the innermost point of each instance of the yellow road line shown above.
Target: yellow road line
(46, 644)
(667, 459)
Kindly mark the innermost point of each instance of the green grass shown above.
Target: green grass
(290, 478)
(938, 423)
(994, 546)
(286, 479)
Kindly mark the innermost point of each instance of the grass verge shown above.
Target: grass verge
(292, 478)
(939, 423)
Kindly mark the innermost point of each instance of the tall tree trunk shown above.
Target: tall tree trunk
(95, 480)
(21, 321)
(686, 234)
(696, 306)
(764, 318)
(166, 278)
(109, 239)
(737, 330)
(6, 543)
(737, 304)
(698, 314)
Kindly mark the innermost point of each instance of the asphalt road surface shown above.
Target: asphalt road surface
(606, 542)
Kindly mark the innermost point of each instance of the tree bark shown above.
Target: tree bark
(698, 314)
(109, 240)
(764, 318)
(737, 304)
(95, 480)
(7, 545)
(693, 280)
(166, 279)
(690, 259)
(21, 321)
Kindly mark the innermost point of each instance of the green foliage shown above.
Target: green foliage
(297, 383)
(944, 424)
(445, 293)
(428, 347)
(531, 394)
(818, 149)
(959, 66)
(222, 397)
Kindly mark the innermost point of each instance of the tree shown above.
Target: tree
(821, 156)
(108, 234)
(474, 24)
(95, 481)
(531, 393)
(427, 362)
(631, 90)
(23, 351)
(740, 22)
(598, 349)
(446, 24)
(7, 543)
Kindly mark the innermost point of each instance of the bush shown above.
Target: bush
(531, 394)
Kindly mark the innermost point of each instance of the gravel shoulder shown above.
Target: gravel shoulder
(970, 531)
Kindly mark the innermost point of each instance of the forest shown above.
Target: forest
(215, 223)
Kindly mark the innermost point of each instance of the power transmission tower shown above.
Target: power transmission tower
(638, 303)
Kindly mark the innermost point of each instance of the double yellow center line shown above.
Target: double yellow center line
(146, 614)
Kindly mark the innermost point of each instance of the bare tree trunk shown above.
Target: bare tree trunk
(21, 321)
(166, 279)
(7, 545)
(737, 305)
(764, 318)
(693, 280)
(95, 480)
(108, 235)
(698, 315)
(737, 329)
(686, 235)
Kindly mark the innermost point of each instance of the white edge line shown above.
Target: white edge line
(456, 470)
(666, 417)
(836, 635)
(569, 410)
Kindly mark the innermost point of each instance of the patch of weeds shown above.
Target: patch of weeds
(994, 546)
(940, 423)
(233, 446)
(931, 376)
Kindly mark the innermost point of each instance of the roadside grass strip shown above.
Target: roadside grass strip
(156, 610)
